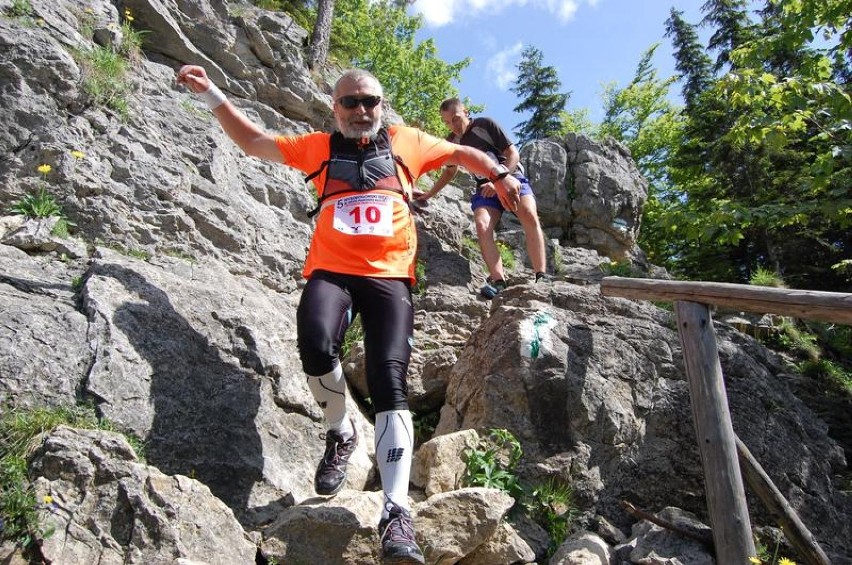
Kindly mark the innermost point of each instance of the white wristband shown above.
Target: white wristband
(213, 97)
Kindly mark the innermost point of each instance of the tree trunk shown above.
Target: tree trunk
(318, 50)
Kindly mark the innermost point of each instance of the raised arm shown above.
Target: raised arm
(245, 133)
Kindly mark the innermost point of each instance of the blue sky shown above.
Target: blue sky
(588, 42)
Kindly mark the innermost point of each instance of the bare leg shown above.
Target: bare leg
(486, 219)
(528, 216)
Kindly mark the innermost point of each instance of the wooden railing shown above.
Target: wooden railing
(722, 454)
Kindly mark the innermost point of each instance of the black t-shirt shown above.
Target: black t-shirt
(487, 136)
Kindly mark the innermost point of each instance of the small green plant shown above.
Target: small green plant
(844, 269)
(87, 21)
(20, 430)
(178, 254)
(40, 204)
(765, 557)
(105, 71)
(558, 262)
(507, 256)
(105, 68)
(469, 247)
(551, 505)
(492, 463)
(835, 378)
(424, 426)
(61, 228)
(836, 338)
(797, 340)
(140, 254)
(20, 8)
(131, 39)
(765, 277)
(420, 274)
(274, 5)
(617, 268)
(354, 334)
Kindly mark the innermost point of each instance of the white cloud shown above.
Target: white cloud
(500, 69)
(564, 9)
(437, 13)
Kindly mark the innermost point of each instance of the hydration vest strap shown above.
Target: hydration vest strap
(337, 138)
(314, 174)
(408, 174)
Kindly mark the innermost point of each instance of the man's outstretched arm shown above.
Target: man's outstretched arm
(245, 133)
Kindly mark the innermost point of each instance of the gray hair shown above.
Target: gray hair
(356, 75)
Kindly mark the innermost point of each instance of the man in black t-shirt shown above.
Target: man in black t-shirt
(487, 136)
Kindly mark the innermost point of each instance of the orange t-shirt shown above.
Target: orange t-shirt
(369, 233)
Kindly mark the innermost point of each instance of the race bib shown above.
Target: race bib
(364, 214)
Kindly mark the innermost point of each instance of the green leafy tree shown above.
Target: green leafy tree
(643, 118)
(705, 234)
(578, 121)
(788, 95)
(762, 175)
(380, 37)
(538, 86)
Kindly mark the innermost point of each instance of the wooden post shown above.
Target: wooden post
(797, 533)
(726, 500)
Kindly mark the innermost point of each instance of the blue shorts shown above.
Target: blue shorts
(478, 201)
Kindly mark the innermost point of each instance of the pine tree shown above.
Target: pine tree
(538, 86)
(732, 27)
(690, 59)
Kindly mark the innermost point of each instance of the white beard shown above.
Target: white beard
(350, 132)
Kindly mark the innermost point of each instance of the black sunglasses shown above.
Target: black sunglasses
(352, 102)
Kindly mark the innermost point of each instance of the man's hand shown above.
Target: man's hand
(508, 192)
(488, 190)
(194, 77)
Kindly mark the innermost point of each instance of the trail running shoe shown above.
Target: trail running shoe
(492, 288)
(331, 472)
(397, 535)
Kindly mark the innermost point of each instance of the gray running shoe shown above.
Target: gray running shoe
(397, 535)
(331, 471)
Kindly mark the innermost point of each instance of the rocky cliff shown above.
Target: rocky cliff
(170, 306)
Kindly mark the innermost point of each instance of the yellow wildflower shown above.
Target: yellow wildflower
(44, 169)
(128, 15)
(40, 21)
(77, 154)
(785, 561)
(48, 499)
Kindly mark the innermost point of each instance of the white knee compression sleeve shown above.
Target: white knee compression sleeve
(394, 446)
(329, 391)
